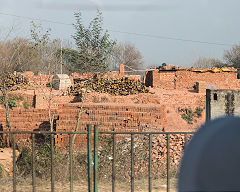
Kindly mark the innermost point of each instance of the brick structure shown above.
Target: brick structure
(186, 79)
(121, 69)
(61, 81)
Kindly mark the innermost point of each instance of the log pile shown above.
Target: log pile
(122, 87)
(118, 87)
(79, 87)
(15, 81)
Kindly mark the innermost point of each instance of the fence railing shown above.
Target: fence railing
(92, 155)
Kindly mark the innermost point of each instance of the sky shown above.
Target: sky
(164, 31)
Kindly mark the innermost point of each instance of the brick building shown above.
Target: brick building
(187, 78)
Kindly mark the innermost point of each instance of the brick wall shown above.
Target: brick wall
(223, 80)
(187, 79)
(164, 79)
(122, 117)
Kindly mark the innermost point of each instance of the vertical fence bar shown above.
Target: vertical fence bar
(14, 161)
(71, 161)
(52, 162)
(95, 158)
(168, 165)
(33, 164)
(150, 164)
(89, 149)
(185, 140)
(132, 163)
(113, 162)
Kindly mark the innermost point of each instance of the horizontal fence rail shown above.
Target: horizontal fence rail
(92, 149)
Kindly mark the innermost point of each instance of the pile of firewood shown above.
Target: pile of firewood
(15, 81)
(122, 87)
(79, 87)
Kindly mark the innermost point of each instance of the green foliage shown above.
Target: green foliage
(189, 115)
(94, 44)
(70, 58)
(198, 111)
(26, 105)
(12, 103)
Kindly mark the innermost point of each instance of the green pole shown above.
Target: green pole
(89, 149)
(150, 164)
(95, 158)
(71, 161)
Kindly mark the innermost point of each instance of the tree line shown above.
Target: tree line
(231, 58)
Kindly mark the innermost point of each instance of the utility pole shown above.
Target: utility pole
(61, 58)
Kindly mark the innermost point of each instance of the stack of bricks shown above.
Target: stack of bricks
(120, 117)
(107, 116)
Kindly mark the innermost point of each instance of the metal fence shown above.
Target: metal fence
(92, 155)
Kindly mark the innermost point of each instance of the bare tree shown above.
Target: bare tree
(203, 62)
(127, 54)
(232, 56)
(25, 57)
(7, 64)
(47, 49)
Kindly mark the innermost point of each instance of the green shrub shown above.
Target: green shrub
(26, 105)
(12, 103)
(188, 115)
(199, 111)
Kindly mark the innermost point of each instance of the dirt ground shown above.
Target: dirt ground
(44, 186)
(6, 155)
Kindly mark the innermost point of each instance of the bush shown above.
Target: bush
(12, 103)
(188, 115)
(26, 105)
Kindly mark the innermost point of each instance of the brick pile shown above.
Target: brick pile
(121, 117)
(176, 146)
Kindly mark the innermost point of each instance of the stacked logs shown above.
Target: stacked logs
(79, 87)
(120, 87)
(15, 81)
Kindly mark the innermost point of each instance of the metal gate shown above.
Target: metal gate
(92, 156)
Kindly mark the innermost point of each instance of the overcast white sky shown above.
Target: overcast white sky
(214, 21)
